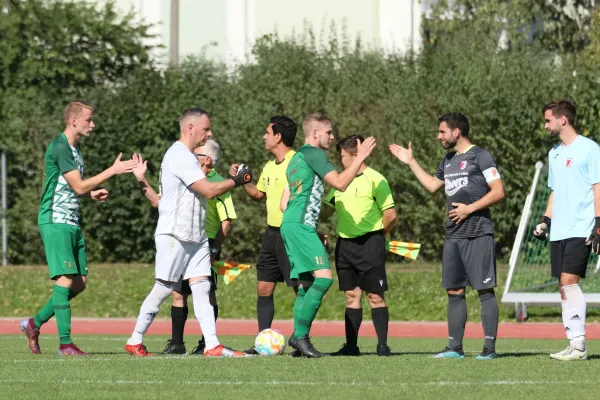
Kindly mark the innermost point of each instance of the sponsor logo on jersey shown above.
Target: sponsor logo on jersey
(454, 185)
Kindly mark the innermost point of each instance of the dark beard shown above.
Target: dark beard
(449, 146)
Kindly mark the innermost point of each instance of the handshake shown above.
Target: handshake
(542, 230)
(241, 174)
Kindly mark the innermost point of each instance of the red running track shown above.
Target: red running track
(116, 326)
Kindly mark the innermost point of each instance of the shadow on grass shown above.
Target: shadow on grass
(403, 353)
(524, 354)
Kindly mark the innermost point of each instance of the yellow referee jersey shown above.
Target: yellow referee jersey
(272, 181)
(360, 208)
(218, 209)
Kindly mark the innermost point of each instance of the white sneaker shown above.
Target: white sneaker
(571, 354)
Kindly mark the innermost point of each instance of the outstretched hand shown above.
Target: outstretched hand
(401, 153)
(122, 167)
(365, 148)
(141, 167)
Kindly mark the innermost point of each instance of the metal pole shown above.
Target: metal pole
(4, 241)
(514, 255)
(174, 33)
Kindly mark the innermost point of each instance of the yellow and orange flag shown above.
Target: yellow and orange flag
(404, 249)
(227, 271)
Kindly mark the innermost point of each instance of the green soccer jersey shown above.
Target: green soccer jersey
(218, 209)
(305, 176)
(59, 203)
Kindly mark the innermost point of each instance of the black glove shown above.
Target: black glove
(542, 229)
(594, 239)
(244, 175)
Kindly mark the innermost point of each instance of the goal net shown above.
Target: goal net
(529, 282)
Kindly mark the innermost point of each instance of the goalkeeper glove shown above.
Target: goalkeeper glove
(542, 229)
(594, 238)
(244, 175)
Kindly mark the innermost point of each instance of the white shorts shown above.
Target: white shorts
(176, 259)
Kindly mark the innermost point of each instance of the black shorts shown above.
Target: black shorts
(469, 262)
(183, 286)
(273, 264)
(570, 256)
(360, 262)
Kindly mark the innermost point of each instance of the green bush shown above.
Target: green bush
(396, 98)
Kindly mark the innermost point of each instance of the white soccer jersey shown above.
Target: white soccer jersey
(181, 212)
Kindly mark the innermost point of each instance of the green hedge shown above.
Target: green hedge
(395, 98)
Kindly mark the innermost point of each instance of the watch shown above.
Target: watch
(214, 250)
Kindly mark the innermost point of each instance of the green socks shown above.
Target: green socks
(62, 311)
(47, 311)
(298, 307)
(306, 311)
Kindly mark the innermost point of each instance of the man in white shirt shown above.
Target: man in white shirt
(181, 242)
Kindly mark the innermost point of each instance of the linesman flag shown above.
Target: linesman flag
(227, 271)
(404, 249)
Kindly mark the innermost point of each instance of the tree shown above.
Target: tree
(554, 25)
(50, 53)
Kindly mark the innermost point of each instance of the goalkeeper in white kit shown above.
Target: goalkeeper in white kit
(572, 212)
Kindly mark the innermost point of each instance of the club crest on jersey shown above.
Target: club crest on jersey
(569, 162)
(462, 165)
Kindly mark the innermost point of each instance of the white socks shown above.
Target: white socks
(573, 314)
(148, 311)
(204, 312)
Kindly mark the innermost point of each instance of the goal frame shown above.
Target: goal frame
(522, 300)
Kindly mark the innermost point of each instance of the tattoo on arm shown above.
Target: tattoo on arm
(143, 187)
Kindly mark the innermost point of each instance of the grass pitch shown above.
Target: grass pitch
(523, 370)
(117, 291)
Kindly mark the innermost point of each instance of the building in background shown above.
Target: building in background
(225, 30)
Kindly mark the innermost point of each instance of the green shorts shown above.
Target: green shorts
(65, 249)
(304, 249)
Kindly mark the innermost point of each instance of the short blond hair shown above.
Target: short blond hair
(75, 108)
(309, 121)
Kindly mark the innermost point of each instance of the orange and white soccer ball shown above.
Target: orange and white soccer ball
(269, 342)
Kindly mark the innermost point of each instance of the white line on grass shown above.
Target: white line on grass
(297, 383)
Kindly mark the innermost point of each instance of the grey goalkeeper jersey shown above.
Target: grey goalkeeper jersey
(466, 177)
